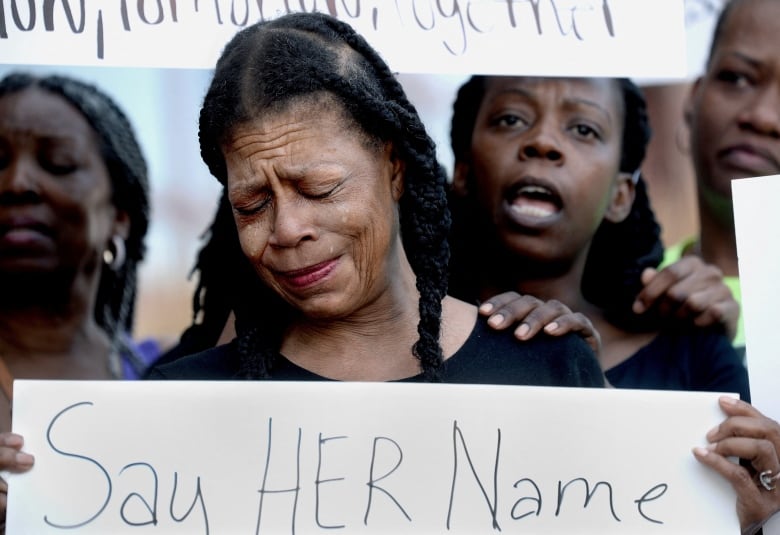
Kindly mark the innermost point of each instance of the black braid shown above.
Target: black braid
(271, 64)
(619, 251)
(127, 169)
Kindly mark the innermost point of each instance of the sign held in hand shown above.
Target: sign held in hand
(281, 457)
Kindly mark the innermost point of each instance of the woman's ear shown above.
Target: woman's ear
(460, 178)
(397, 171)
(121, 226)
(623, 195)
(688, 105)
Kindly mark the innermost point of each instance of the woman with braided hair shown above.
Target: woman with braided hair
(339, 207)
(546, 202)
(74, 211)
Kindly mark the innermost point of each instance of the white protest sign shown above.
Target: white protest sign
(757, 223)
(531, 37)
(281, 457)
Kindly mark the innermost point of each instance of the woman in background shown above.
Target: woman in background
(74, 210)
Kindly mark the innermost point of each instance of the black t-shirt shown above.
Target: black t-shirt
(487, 357)
(686, 359)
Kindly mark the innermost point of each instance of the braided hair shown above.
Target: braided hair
(127, 170)
(268, 66)
(619, 251)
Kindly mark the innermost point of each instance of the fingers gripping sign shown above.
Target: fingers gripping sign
(754, 438)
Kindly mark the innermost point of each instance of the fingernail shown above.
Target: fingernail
(522, 330)
(711, 433)
(551, 327)
(486, 307)
(638, 307)
(496, 320)
(24, 459)
(701, 452)
(728, 400)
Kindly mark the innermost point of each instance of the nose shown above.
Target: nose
(762, 114)
(541, 142)
(18, 182)
(291, 223)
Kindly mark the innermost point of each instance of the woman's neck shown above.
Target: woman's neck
(48, 329)
(46, 348)
(372, 344)
(717, 243)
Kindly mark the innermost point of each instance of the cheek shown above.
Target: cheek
(253, 238)
(489, 169)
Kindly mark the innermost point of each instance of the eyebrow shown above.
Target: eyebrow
(744, 58)
(568, 101)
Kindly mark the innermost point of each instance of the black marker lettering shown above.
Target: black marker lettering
(100, 50)
(454, 12)
(48, 15)
(652, 494)
(537, 498)
(457, 435)
(373, 480)
(198, 498)
(77, 456)
(17, 18)
(233, 17)
(141, 6)
(264, 490)
(152, 509)
(318, 481)
(588, 494)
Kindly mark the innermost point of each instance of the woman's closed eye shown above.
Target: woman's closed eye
(253, 207)
(57, 165)
(318, 193)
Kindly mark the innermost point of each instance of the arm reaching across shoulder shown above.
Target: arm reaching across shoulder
(753, 437)
(689, 289)
(12, 459)
(533, 315)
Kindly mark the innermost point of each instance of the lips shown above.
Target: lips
(532, 202)
(750, 160)
(308, 276)
(23, 231)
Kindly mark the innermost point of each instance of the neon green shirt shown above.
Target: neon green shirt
(675, 252)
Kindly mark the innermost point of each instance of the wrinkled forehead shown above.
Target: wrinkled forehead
(321, 107)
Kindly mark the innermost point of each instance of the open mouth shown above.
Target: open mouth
(533, 201)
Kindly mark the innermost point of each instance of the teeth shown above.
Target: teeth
(535, 190)
(533, 211)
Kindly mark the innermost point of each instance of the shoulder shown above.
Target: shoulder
(497, 357)
(218, 363)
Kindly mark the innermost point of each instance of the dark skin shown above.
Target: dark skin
(688, 290)
(733, 113)
(524, 147)
(56, 219)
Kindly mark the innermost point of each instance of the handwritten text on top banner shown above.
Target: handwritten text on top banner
(541, 37)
